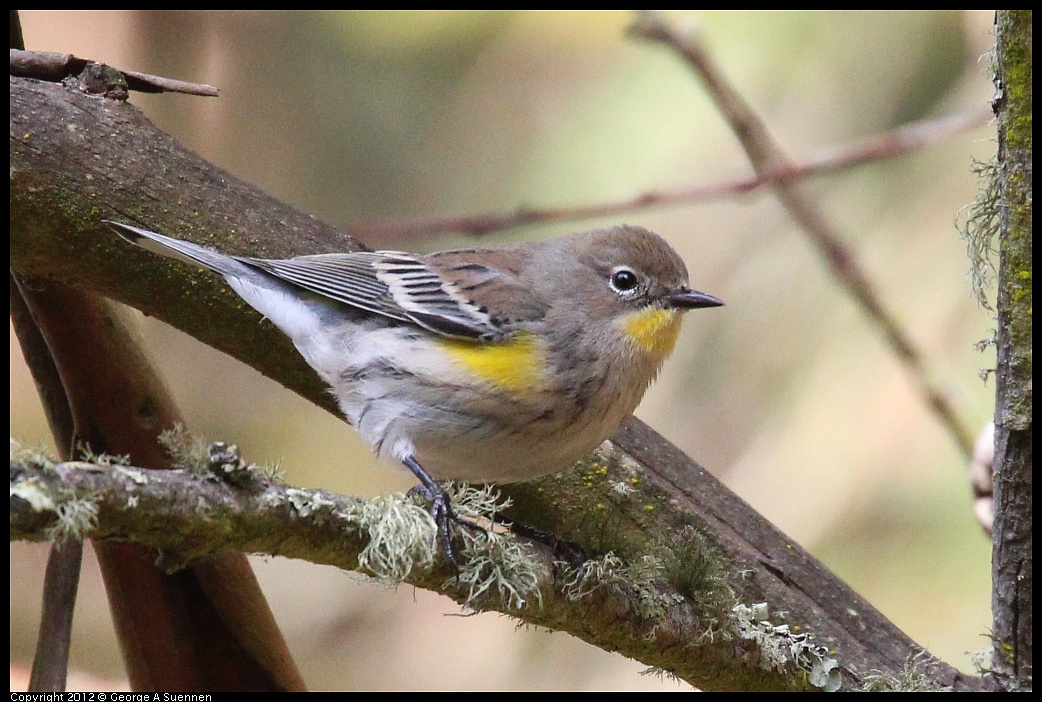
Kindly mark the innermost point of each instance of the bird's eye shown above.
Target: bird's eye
(623, 280)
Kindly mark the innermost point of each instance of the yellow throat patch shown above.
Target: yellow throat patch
(517, 364)
(654, 330)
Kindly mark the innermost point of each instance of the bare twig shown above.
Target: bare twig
(61, 581)
(147, 83)
(60, 586)
(901, 140)
(51, 66)
(766, 156)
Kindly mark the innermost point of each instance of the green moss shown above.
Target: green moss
(1017, 67)
(694, 570)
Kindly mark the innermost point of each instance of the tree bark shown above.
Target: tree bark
(1012, 556)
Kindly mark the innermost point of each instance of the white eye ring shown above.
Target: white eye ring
(624, 280)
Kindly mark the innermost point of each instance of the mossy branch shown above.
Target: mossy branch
(194, 513)
(1012, 557)
(675, 606)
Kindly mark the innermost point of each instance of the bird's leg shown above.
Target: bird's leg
(441, 509)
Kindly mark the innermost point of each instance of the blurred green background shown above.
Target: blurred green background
(786, 394)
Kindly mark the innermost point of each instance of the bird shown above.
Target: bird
(487, 364)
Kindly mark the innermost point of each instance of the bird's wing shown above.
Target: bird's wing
(389, 283)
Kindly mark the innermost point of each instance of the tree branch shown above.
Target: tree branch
(683, 623)
(1012, 596)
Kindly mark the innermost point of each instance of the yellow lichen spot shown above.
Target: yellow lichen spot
(518, 364)
(654, 330)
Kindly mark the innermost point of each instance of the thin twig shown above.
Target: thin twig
(903, 139)
(52, 66)
(60, 586)
(766, 156)
(147, 83)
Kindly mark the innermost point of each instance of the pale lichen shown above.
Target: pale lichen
(402, 537)
(915, 677)
(778, 648)
(980, 229)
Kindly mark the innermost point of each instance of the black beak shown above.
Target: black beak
(687, 299)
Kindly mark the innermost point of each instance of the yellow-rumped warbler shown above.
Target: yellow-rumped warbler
(482, 364)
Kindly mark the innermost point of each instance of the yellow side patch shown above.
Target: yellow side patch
(517, 364)
(654, 330)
